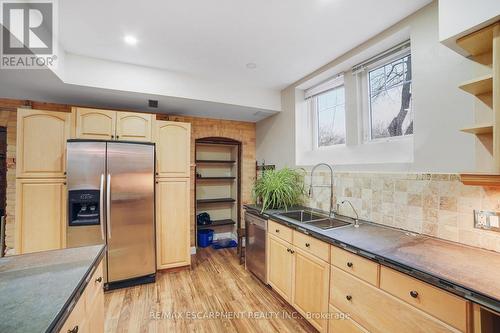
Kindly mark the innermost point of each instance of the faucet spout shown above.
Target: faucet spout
(356, 220)
(330, 212)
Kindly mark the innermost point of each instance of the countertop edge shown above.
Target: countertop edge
(63, 314)
(437, 281)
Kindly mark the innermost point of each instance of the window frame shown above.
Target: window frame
(365, 95)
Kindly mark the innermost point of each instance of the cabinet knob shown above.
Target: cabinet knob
(73, 330)
(308, 245)
(292, 251)
(288, 250)
(112, 137)
(99, 279)
(349, 264)
(414, 293)
(277, 230)
(117, 137)
(348, 297)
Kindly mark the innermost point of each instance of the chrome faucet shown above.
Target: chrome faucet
(331, 213)
(356, 220)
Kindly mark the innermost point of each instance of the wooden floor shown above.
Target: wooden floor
(215, 285)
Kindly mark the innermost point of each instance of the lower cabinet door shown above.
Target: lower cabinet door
(311, 281)
(280, 267)
(172, 222)
(95, 314)
(76, 321)
(40, 215)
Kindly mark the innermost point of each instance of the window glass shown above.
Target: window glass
(330, 108)
(390, 99)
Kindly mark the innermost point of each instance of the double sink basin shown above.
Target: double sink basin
(315, 219)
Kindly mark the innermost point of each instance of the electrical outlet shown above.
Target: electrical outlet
(488, 220)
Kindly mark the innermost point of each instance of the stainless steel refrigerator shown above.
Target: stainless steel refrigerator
(111, 201)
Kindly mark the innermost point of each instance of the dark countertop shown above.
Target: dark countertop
(38, 290)
(467, 271)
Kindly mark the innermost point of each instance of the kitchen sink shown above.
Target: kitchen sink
(304, 216)
(329, 223)
(315, 219)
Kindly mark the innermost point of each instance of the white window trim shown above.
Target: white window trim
(364, 100)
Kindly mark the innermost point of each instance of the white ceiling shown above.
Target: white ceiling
(192, 54)
(215, 39)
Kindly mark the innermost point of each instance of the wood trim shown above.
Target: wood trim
(496, 95)
(478, 179)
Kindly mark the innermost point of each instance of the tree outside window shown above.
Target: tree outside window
(330, 108)
(390, 99)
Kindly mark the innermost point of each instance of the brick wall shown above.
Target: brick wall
(8, 118)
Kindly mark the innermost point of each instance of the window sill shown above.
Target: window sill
(399, 151)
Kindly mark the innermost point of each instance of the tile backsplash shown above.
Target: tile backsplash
(437, 205)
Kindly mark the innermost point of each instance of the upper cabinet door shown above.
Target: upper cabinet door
(41, 143)
(133, 126)
(95, 124)
(173, 149)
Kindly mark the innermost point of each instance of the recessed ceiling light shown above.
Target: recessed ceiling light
(130, 40)
(251, 65)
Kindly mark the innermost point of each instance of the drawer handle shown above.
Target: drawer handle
(414, 293)
(348, 297)
(73, 330)
(308, 245)
(277, 230)
(349, 264)
(99, 279)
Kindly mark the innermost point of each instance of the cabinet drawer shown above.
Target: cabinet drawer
(439, 303)
(376, 310)
(94, 286)
(340, 324)
(312, 245)
(358, 266)
(280, 231)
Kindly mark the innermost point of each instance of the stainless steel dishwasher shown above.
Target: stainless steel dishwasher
(255, 245)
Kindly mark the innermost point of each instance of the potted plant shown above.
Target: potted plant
(279, 189)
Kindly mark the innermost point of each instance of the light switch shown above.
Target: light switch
(489, 220)
(494, 221)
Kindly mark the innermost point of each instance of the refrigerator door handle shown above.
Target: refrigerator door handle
(108, 205)
(101, 203)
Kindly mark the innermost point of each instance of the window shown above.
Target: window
(331, 117)
(389, 89)
(327, 103)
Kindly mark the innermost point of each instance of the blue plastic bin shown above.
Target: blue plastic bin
(205, 237)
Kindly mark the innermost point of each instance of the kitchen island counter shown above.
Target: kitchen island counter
(38, 290)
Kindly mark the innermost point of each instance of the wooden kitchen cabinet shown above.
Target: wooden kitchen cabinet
(94, 124)
(173, 148)
(376, 310)
(172, 222)
(134, 126)
(311, 280)
(340, 322)
(447, 307)
(87, 316)
(280, 267)
(40, 214)
(112, 125)
(41, 143)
